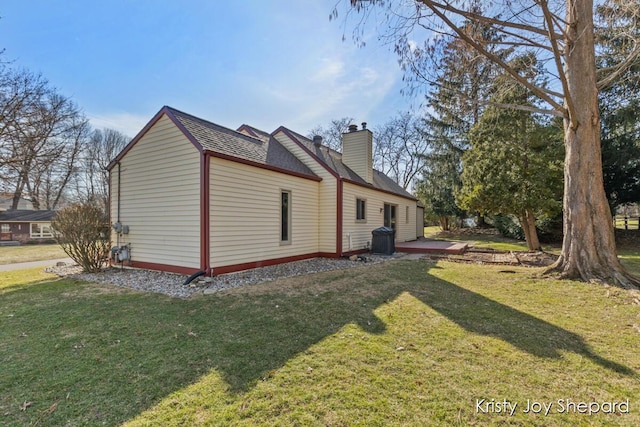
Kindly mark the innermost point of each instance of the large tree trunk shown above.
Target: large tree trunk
(589, 248)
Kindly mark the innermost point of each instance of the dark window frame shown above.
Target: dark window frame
(285, 217)
(361, 209)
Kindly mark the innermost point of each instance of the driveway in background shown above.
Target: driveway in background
(34, 264)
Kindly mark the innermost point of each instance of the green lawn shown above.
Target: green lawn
(25, 253)
(484, 241)
(400, 343)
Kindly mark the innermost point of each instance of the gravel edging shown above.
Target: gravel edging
(173, 284)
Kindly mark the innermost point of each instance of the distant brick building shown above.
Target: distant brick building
(25, 226)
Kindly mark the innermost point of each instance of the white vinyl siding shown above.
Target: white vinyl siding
(160, 197)
(245, 208)
(357, 233)
(327, 196)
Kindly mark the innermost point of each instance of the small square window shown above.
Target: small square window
(361, 209)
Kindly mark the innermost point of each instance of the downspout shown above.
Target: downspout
(118, 209)
(339, 219)
(205, 237)
(118, 214)
(205, 211)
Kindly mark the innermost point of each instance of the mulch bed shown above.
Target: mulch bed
(495, 257)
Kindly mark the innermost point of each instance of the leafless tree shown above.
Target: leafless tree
(92, 179)
(332, 134)
(399, 148)
(561, 35)
(42, 134)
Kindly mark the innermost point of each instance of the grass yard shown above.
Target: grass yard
(25, 253)
(401, 343)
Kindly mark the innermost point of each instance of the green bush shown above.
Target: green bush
(508, 226)
(549, 228)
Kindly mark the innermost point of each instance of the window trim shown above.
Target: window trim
(364, 209)
(42, 234)
(407, 214)
(390, 220)
(288, 223)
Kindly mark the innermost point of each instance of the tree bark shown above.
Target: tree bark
(528, 222)
(444, 223)
(588, 248)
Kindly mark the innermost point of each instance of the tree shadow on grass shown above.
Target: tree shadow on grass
(481, 315)
(126, 352)
(285, 324)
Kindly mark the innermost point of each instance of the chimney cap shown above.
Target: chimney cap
(317, 140)
(353, 128)
(364, 125)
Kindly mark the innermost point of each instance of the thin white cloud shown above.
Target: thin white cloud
(317, 91)
(330, 70)
(127, 123)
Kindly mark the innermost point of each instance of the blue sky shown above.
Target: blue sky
(264, 63)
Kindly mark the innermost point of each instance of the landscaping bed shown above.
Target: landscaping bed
(498, 257)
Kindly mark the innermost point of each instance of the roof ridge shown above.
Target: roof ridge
(215, 125)
(332, 151)
(254, 129)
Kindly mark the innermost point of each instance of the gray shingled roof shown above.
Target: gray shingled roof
(260, 134)
(23, 215)
(333, 160)
(218, 139)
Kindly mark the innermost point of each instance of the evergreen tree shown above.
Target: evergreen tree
(618, 27)
(461, 91)
(514, 165)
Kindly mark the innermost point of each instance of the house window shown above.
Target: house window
(361, 210)
(407, 215)
(6, 228)
(40, 231)
(285, 217)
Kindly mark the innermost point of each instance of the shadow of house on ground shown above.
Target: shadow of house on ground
(285, 323)
(127, 351)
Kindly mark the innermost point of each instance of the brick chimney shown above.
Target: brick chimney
(357, 151)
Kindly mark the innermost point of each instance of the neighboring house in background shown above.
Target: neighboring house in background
(26, 226)
(195, 196)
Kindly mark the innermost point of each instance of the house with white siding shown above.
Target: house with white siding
(190, 196)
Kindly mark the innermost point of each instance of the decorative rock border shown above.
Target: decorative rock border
(173, 284)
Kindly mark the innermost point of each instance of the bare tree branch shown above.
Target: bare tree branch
(494, 58)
